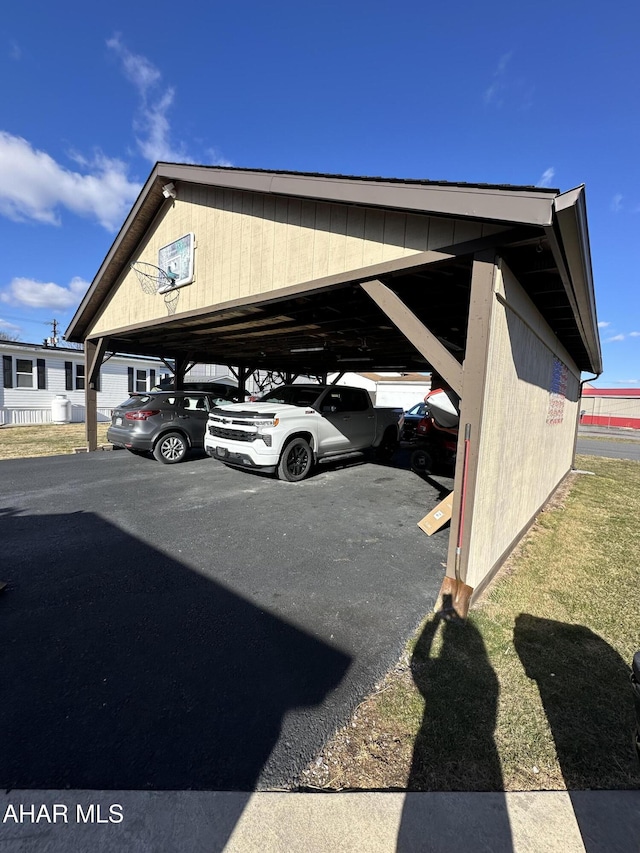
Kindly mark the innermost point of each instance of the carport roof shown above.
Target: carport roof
(555, 223)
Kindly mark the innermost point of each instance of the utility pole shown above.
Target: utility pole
(53, 340)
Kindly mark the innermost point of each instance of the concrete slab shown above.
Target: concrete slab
(211, 822)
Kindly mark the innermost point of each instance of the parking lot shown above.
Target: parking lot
(192, 626)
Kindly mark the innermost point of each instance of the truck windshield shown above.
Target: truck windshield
(292, 395)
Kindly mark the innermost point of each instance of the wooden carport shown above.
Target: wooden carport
(489, 286)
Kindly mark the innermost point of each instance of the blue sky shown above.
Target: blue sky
(93, 94)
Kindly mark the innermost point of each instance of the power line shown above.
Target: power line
(5, 316)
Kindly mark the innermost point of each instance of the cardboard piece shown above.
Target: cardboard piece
(438, 516)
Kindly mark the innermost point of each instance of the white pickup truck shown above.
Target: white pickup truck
(292, 427)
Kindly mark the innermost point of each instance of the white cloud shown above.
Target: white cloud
(216, 159)
(494, 93)
(44, 294)
(634, 334)
(615, 338)
(15, 51)
(603, 324)
(546, 177)
(34, 186)
(153, 128)
(9, 327)
(138, 69)
(151, 124)
(616, 202)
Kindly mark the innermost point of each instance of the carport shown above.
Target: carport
(488, 286)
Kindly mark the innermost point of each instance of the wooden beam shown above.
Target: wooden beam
(244, 373)
(181, 362)
(471, 410)
(90, 395)
(96, 362)
(416, 332)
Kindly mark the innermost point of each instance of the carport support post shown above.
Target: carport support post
(90, 394)
(179, 371)
(455, 593)
(244, 373)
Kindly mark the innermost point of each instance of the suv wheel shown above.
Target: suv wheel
(170, 448)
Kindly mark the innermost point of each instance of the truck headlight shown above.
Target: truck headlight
(267, 422)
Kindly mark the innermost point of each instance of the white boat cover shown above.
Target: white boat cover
(442, 409)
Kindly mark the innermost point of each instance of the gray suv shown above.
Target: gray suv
(165, 423)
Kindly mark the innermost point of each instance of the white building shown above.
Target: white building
(34, 374)
(395, 390)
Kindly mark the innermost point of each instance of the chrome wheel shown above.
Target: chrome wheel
(170, 449)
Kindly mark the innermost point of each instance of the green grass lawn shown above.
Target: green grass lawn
(18, 442)
(532, 693)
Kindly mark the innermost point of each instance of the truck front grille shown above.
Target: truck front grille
(232, 434)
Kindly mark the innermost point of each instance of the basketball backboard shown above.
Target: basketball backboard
(176, 259)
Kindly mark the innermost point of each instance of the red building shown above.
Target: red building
(610, 407)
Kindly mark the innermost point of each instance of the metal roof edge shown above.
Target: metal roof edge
(537, 190)
(611, 392)
(524, 205)
(70, 351)
(570, 210)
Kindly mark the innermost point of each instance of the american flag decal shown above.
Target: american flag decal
(557, 392)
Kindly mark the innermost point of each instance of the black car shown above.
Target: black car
(412, 418)
(220, 389)
(165, 423)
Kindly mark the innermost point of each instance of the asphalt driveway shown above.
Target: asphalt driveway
(195, 627)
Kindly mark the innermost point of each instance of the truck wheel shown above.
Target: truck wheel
(387, 446)
(296, 461)
(171, 448)
(421, 462)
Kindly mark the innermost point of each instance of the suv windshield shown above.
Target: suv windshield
(294, 396)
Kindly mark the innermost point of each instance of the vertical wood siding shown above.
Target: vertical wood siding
(248, 244)
(522, 456)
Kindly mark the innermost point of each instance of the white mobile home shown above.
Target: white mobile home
(34, 374)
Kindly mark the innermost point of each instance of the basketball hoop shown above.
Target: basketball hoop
(152, 278)
(171, 300)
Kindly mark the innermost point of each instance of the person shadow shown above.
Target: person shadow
(126, 671)
(585, 690)
(455, 749)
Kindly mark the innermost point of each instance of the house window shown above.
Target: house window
(24, 373)
(79, 377)
(42, 373)
(141, 381)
